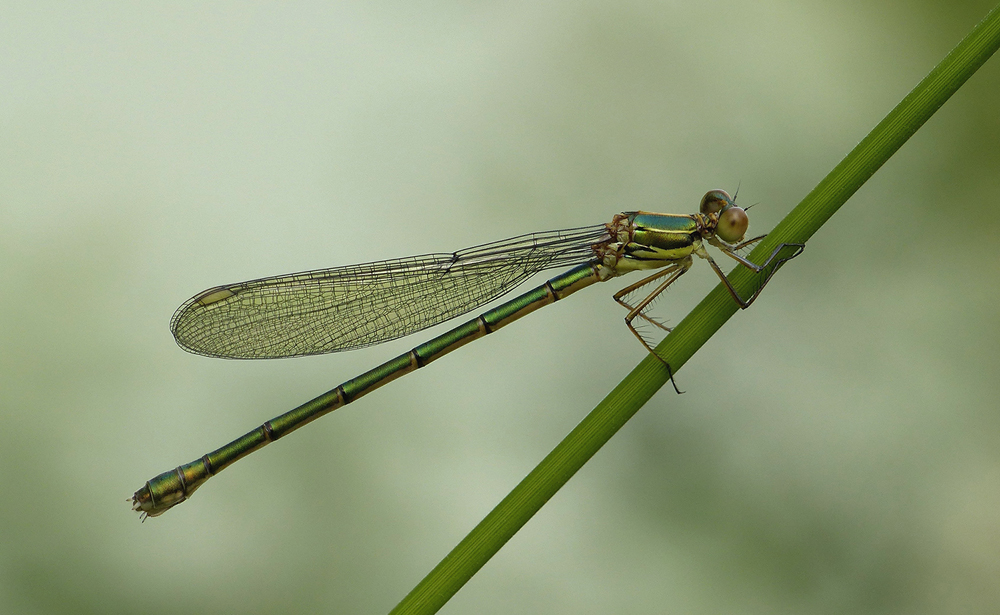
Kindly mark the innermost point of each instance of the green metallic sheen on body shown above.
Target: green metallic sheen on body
(237, 449)
(445, 343)
(516, 308)
(309, 411)
(374, 378)
(663, 237)
(169, 489)
(579, 277)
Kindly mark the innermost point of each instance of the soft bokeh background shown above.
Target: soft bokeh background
(838, 448)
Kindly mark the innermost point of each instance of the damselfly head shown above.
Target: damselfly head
(733, 221)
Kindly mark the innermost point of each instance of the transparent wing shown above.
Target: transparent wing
(342, 308)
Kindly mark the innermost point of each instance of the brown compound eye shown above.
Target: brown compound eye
(714, 201)
(733, 225)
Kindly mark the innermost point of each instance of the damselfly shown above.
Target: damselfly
(343, 308)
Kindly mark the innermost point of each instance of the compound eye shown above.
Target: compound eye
(714, 201)
(733, 225)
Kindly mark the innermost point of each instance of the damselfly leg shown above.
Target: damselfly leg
(671, 273)
(765, 271)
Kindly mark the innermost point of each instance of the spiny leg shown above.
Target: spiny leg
(620, 295)
(748, 242)
(673, 272)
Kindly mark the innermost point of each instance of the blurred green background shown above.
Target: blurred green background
(838, 448)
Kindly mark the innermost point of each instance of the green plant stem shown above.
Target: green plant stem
(690, 334)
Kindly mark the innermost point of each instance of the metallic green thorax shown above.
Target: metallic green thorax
(656, 238)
